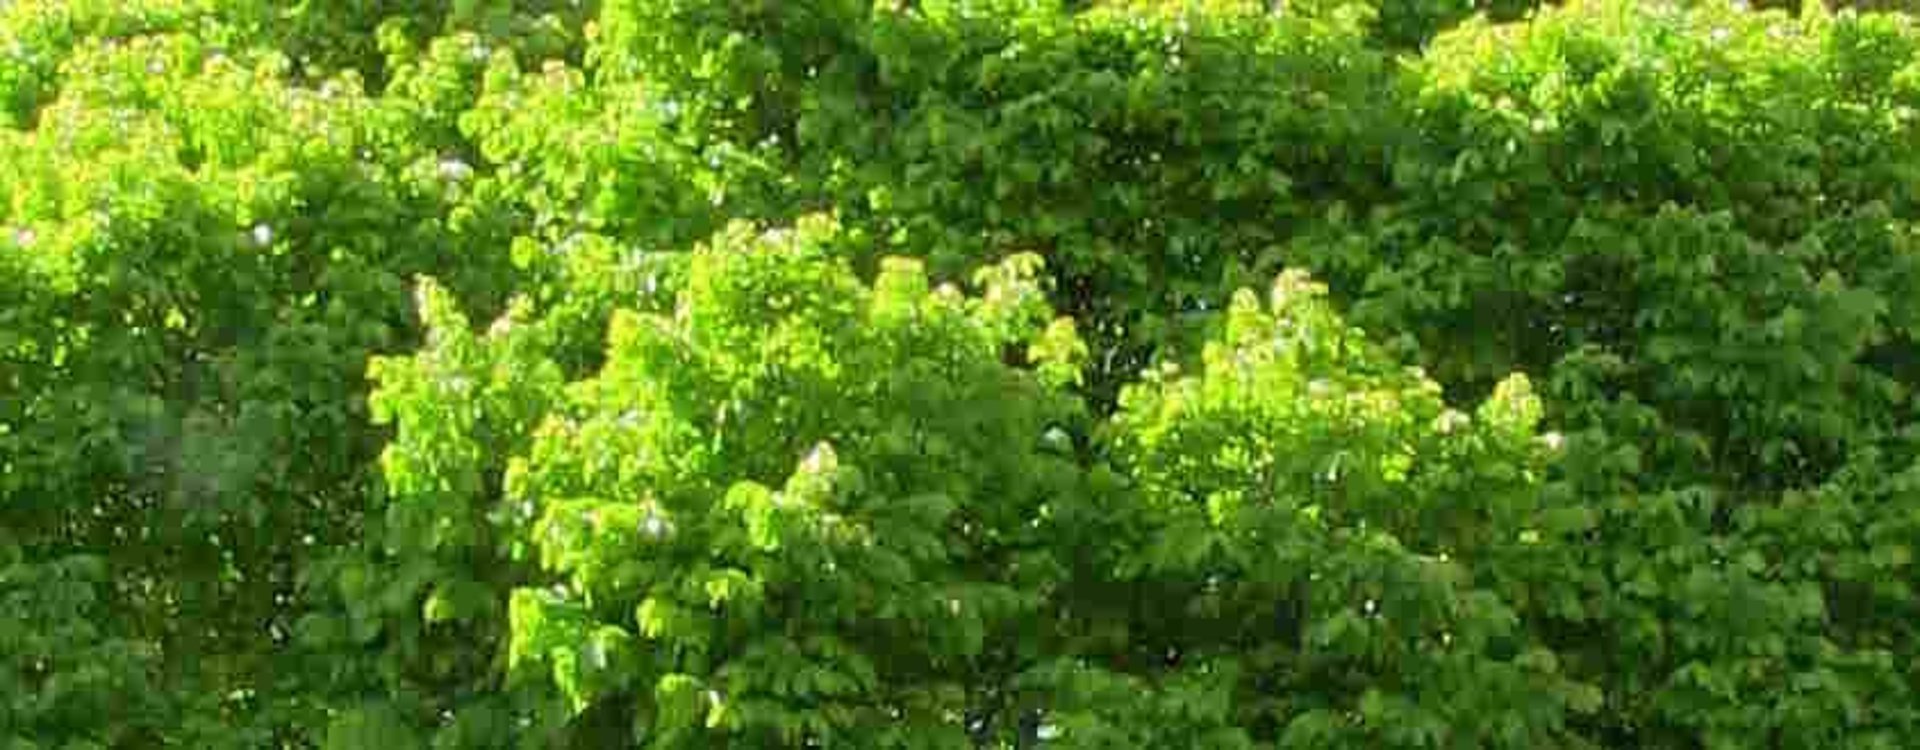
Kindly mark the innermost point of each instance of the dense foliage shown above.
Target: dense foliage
(472, 374)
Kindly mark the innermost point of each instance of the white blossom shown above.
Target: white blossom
(455, 170)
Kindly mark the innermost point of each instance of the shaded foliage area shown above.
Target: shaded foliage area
(1005, 373)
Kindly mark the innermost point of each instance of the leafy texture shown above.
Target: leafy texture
(469, 374)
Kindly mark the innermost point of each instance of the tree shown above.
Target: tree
(1003, 374)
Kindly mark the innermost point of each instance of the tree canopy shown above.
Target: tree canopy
(492, 375)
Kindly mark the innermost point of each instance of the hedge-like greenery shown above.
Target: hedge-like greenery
(970, 374)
